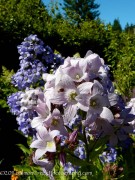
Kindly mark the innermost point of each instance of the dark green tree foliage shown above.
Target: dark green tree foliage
(130, 28)
(116, 26)
(18, 19)
(22, 15)
(69, 39)
(77, 10)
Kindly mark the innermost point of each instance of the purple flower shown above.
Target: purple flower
(14, 102)
(46, 166)
(80, 150)
(24, 121)
(126, 144)
(44, 142)
(29, 75)
(75, 122)
(62, 158)
(55, 122)
(69, 168)
(109, 155)
(35, 59)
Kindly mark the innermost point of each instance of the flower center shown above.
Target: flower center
(77, 76)
(72, 95)
(50, 144)
(93, 103)
(55, 122)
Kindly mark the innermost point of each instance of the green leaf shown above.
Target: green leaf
(75, 160)
(58, 171)
(24, 149)
(97, 147)
(1, 161)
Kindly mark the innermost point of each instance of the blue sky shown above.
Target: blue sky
(124, 10)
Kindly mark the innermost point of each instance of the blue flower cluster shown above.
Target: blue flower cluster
(35, 59)
(69, 168)
(109, 155)
(80, 150)
(23, 117)
(24, 120)
(14, 102)
(75, 122)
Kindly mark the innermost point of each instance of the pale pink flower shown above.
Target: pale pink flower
(45, 141)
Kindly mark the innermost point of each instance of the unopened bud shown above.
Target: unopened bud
(73, 136)
(62, 158)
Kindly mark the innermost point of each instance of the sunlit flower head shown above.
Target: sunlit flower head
(44, 142)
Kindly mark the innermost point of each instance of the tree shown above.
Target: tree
(18, 19)
(77, 10)
(130, 28)
(116, 26)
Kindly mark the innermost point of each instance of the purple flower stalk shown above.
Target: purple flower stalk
(35, 59)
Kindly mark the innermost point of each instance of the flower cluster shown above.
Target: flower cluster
(77, 105)
(35, 59)
(109, 155)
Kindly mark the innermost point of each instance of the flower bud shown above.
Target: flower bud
(73, 136)
(62, 158)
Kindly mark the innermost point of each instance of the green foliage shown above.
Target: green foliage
(93, 35)
(121, 57)
(26, 170)
(116, 26)
(6, 88)
(21, 17)
(69, 39)
(80, 10)
(1, 161)
(128, 162)
(130, 29)
(24, 149)
(18, 19)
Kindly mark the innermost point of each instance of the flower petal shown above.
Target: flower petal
(70, 112)
(42, 132)
(107, 114)
(83, 102)
(85, 88)
(39, 153)
(113, 140)
(38, 144)
(91, 117)
(42, 109)
(54, 133)
(37, 121)
(58, 98)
